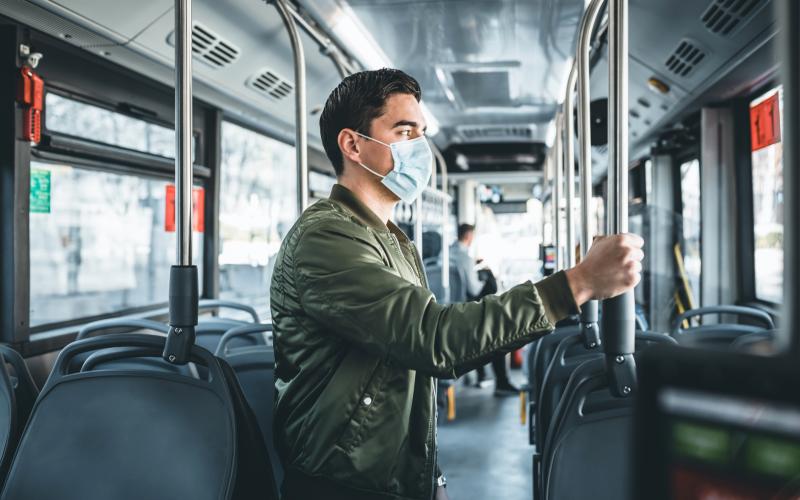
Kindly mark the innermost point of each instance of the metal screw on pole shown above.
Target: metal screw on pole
(178, 331)
(619, 359)
(626, 390)
(171, 358)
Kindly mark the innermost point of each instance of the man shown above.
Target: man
(358, 335)
(459, 252)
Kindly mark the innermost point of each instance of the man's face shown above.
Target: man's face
(402, 120)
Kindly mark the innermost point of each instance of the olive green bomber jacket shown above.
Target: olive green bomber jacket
(359, 339)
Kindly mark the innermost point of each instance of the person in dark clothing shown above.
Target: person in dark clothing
(502, 386)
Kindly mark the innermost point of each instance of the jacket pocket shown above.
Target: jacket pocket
(368, 400)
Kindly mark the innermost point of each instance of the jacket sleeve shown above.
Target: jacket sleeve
(343, 282)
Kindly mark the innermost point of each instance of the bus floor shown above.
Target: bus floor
(484, 452)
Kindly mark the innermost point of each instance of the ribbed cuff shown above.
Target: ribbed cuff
(557, 297)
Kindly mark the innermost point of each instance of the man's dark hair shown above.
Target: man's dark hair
(464, 230)
(357, 101)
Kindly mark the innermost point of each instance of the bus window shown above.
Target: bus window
(77, 118)
(258, 204)
(690, 210)
(767, 159)
(98, 242)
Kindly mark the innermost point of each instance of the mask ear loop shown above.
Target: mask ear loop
(379, 142)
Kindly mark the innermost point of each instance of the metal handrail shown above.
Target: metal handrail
(557, 158)
(618, 321)
(589, 311)
(183, 281)
(301, 116)
(569, 164)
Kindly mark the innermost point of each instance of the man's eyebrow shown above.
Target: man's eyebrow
(407, 123)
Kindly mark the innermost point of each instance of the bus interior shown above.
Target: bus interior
(131, 130)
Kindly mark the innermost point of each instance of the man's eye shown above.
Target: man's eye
(406, 133)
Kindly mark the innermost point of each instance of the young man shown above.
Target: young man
(358, 335)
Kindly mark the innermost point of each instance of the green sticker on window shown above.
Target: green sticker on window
(40, 192)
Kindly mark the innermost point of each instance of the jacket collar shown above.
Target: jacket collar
(347, 198)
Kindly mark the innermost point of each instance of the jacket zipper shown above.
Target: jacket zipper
(430, 460)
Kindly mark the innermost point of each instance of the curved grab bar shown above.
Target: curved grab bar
(752, 312)
(240, 331)
(110, 324)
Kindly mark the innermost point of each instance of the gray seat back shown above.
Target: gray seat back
(127, 434)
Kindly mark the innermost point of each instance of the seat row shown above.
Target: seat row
(114, 420)
(578, 427)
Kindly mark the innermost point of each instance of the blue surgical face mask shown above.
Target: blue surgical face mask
(413, 161)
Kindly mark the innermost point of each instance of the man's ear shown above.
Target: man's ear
(348, 144)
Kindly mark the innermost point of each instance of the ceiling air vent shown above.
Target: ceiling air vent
(209, 47)
(271, 84)
(496, 132)
(722, 17)
(686, 56)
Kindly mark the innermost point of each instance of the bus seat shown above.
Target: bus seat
(458, 291)
(720, 335)
(538, 360)
(11, 421)
(590, 433)
(568, 355)
(136, 433)
(113, 325)
(255, 369)
(209, 331)
(25, 389)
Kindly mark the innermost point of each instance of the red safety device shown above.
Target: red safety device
(31, 95)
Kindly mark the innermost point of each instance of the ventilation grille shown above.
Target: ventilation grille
(685, 58)
(270, 83)
(209, 47)
(722, 17)
(496, 132)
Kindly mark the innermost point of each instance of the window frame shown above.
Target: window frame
(744, 167)
(71, 73)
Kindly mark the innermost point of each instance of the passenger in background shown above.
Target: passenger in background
(459, 254)
(478, 288)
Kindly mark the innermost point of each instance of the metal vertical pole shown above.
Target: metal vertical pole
(557, 159)
(589, 311)
(445, 224)
(301, 116)
(183, 283)
(618, 322)
(789, 36)
(569, 165)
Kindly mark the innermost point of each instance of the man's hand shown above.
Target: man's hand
(612, 266)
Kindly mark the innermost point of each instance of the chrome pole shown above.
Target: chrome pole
(569, 164)
(585, 122)
(326, 44)
(183, 282)
(183, 131)
(590, 329)
(445, 224)
(557, 159)
(619, 315)
(301, 116)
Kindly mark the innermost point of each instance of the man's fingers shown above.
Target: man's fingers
(633, 240)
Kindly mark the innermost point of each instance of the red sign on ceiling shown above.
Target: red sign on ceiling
(198, 209)
(765, 123)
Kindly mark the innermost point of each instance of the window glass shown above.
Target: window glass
(98, 242)
(102, 125)
(767, 159)
(320, 185)
(258, 205)
(690, 210)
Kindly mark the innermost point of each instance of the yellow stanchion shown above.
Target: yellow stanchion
(451, 403)
(523, 408)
